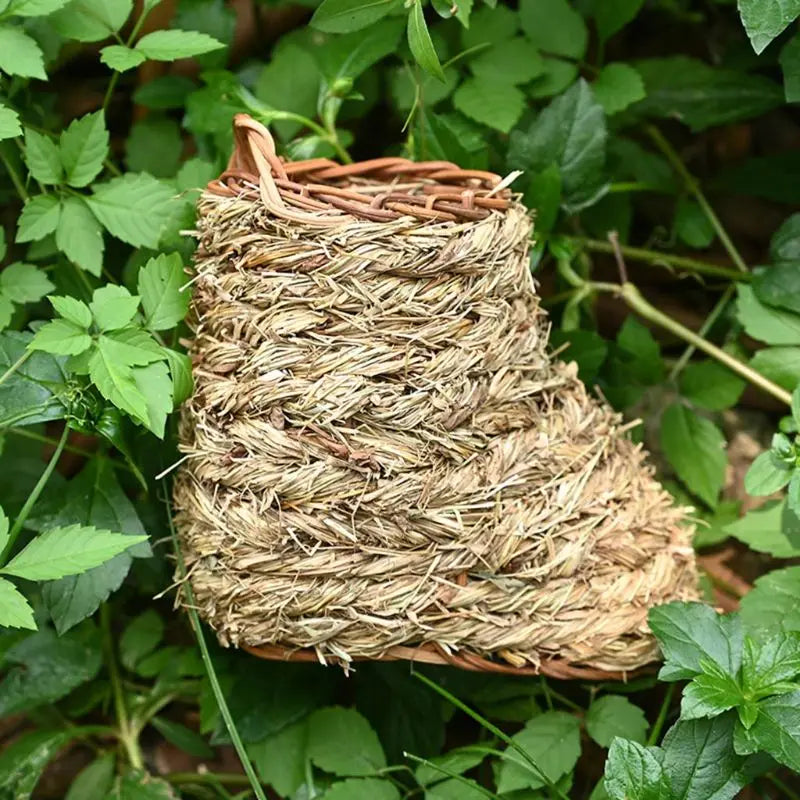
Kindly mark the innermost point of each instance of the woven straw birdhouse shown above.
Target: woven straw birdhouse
(382, 458)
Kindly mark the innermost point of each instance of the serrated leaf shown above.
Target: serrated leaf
(362, 789)
(73, 310)
(161, 161)
(24, 283)
(281, 758)
(695, 447)
(24, 760)
(160, 283)
(768, 529)
(91, 20)
(67, 551)
(35, 8)
(154, 383)
(765, 19)
(611, 716)
(9, 123)
(113, 307)
(138, 785)
(613, 15)
(617, 87)
(777, 729)
(61, 337)
(41, 155)
(20, 54)
(570, 132)
(711, 385)
(121, 58)
(770, 325)
(345, 16)
(514, 61)
(140, 637)
(39, 217)
(79, 235)
(419, 40)
(84, 148)
(711, 693)
(554, 26)
(170, 45)
(341, 741)
(15, 611)
(94, 780)
(182, 737)
(769, 664)
(180, 368)
(774, 602)
(634, 772)
(778, 286)
(790, 64)
(112, 375)
(767, 475)
(496, 105)
(690, 632)
(132, 207)
(552, 740)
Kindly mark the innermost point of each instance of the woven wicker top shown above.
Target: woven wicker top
(320, 191)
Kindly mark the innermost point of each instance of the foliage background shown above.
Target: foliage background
(660, 150)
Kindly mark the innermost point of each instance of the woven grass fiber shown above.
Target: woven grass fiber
(383, 459)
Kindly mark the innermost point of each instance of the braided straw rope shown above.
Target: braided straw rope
(383, 460)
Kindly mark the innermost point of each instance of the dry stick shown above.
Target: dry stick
(222, 704)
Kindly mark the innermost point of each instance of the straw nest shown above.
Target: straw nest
(383, 455)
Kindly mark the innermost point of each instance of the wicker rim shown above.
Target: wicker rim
(432, 653)
(310, 191)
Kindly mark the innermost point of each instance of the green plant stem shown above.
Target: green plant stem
(636, 302)
(788, 792)
(655, 258)
(125, 732)
(229, 778)
(34, 495)
(15, 179)
(219, 696)
(658, 725)
(693, 185)
(15, 366)
(454, 775)
(493, 729)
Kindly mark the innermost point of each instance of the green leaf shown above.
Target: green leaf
(110, 371)
(19, 54)
(362, 789)
(490, 25)
(345, 16)
(39, 217)
(43, 668)
(778, 286)
(690, 632)
(35, 8)
(774, 602)
(496, 105)
(9, 123)
(180, 368)
(777, 729)
(613, 15)
(84, 148)
(79, 235)
(73, 310)
(168, 91)
(94, 498)
(701, 762)
(41, 154)
(91, 20)
(182, 737)
(170, 45)
(161, 161)
(703, 96)
(554, 26)
(454, 789)
(779, 364)
(766, 475)
(570, 132)
(785, 242)
(617, 87)
(711, 385)
(281, 758)
(154, 383)
(94, 781)
(634, 772)
(160, 282)
(138, 785)
(790, 63)
(457, 761)
(140, 637)
(341, 741)
(763, 21)
(132, 207)
(419, 40)
(67, 551)
(552, 740)
(61, 337)
(762, 322)
(543, 195)
(15, 611)
(767, 665)
(113, 307)
(695, 447)
(24, 760)
(692, 226)
(710, 693)
(121, 58)
(513, 61)
(558, 76)
(768, 529)
(24, 283)
(611, 716)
